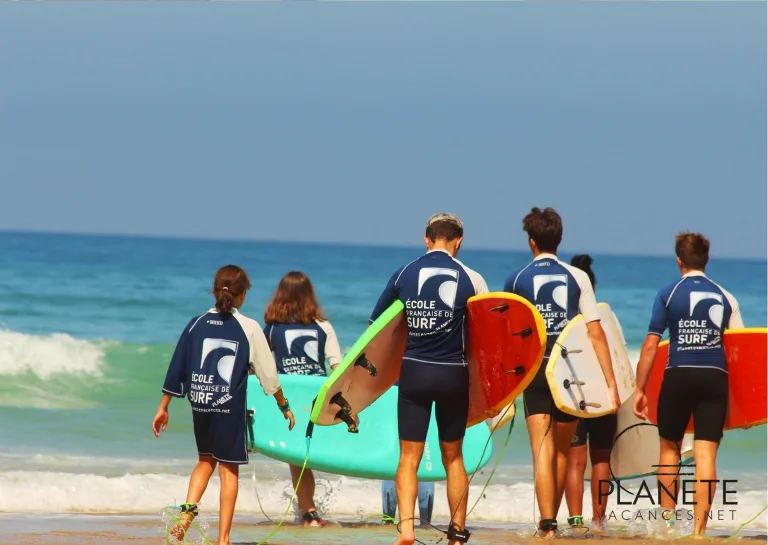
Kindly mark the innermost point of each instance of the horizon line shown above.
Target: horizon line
(202, 238)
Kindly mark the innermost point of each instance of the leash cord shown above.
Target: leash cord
(177, 519)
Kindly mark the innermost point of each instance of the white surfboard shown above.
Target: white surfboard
(501, 419)
(574, 374)
(636, 452)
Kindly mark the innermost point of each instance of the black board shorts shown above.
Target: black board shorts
(421, 385)
(537, 398)
(601, 432)
(221, 435)
(686, 391)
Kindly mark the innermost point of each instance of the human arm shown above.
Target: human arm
(656, 329)
(264, 368)
(600, 344)
(387, 297)
(175, 379)
(478, 282)
(647, 357)
(160, 422)
(332, 348)
(588, 309)
(736, 321)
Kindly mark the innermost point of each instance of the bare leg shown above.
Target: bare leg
(543, 449)
(228, 474)
(305, 494)
(407, 486)
(453, 461)
(574, 481)
(669, 458)
(705, 456)
(600, 473)
(198, 482)
(563, 435)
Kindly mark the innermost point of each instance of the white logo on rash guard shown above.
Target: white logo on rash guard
(311, 347)
(715, 311)
(447, 290)
(226, 363)
(559, 293)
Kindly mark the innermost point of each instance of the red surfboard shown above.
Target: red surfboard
(505, 346)
(745, 353)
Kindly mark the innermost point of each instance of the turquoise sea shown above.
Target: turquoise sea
(88, 323)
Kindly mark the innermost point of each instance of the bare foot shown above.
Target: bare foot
(180, 528)
(406, 539)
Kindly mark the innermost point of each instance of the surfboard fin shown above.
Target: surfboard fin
(527, 332)
(584, 404)
(501, 309)
(568, 383)
(564, 351)
(519, 370)
(345, 413)
(363, 362)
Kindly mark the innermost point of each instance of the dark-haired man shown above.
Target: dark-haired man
(434, 289)
(696, 311)
(560, 292)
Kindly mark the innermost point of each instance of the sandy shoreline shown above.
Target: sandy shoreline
(149, 530)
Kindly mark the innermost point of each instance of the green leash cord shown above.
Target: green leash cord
(734, 534)
(495, 465)
(177, 519)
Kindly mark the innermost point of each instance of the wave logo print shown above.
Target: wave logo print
(715, 311)
(447, 290)
(310, 347)
(558, 284)
(225, 351)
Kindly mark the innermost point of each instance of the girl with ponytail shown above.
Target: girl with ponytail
(210, 366)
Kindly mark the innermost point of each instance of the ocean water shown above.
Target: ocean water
(87, 325)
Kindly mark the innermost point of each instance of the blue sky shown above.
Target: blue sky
(353, 122)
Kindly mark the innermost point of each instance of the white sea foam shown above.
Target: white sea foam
(46, 356)
(337, 497)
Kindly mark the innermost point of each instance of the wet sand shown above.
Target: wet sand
(150, 530)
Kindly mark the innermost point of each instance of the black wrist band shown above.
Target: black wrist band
(284, 408)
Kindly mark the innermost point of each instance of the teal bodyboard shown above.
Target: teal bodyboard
(372, 453)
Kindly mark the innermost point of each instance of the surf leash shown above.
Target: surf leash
(480, 461)
(452, 531)
(381, 516)
(740, 528)
(496, 464)
(258, 499)
(177, 519)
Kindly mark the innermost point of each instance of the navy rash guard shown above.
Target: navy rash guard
(559, 292)
(211, 360)
(303, 349)
(434, 289)
(696, 311)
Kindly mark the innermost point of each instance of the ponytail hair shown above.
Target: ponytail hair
(230, 283)
(584, 262)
